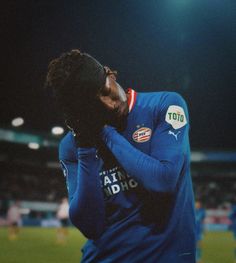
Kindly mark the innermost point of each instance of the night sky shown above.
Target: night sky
(187, 46)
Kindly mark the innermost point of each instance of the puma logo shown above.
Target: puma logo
(175, 135)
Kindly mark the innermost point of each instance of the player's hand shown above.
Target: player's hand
(86, 134)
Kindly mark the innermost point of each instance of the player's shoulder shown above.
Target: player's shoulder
(162, 97)
(170, 97)
(67, 148)
(160, 101)
(173, 109)
(167, 107)
(163, 100)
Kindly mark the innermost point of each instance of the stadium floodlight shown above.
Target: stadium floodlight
(17, 122)
(57, 130)
(33, 145)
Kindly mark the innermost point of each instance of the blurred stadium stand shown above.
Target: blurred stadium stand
(35, 175)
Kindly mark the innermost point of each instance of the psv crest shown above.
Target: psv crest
(142, 135)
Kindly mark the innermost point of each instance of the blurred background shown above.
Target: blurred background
(187, 46)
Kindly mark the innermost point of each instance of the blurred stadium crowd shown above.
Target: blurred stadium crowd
(48, 185)
(34, 178)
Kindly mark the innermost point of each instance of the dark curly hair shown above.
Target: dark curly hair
(75, 79)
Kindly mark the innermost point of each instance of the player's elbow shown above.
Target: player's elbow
(166, 179)
(93, 234)
(91, 228)
(89, 232)
(170, 176)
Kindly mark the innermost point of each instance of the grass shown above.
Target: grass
(38, 245)
(218, 247)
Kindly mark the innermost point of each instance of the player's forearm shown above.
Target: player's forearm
(152, 174)
(87, 210)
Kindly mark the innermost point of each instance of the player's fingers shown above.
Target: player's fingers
(111, 73)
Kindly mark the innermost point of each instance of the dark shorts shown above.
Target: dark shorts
(64, 222)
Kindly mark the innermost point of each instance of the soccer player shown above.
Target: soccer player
(127, 165)
(63, 216)
(13, 220)
(233, 227)
(200, 216)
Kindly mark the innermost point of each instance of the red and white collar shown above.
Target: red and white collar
(132, 98)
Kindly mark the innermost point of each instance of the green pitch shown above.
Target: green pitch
(38, 245)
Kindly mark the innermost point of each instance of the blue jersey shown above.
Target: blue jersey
(200, 216)
(233, 219)
(138, 206)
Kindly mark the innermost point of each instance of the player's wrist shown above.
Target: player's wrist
(84, 152)
(107, 131)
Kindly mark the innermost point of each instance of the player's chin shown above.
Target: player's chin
(118, 120)
(121, 122)
(123, 110)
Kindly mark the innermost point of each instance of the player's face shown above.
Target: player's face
(114, 99)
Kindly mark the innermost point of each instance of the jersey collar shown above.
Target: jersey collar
(132, 98)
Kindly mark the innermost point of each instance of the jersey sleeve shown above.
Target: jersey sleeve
(69, 163)
(158, 171)
(172, 130)
(86, 206)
